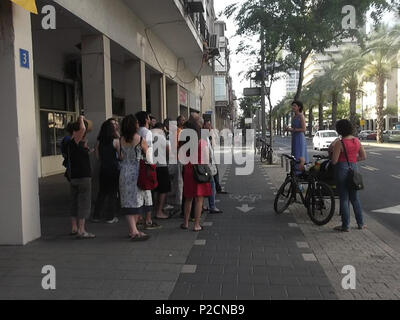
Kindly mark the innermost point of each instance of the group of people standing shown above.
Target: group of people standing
(344, 153)
(119, 150)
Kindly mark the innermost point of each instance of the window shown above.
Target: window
(57, 109)
(220, 89)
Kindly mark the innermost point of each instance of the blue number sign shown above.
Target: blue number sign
(24, 58)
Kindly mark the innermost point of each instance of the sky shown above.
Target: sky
(239, 62)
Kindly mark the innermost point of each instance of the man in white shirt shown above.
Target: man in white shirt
(144, 123)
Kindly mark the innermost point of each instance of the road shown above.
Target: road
(381, 173)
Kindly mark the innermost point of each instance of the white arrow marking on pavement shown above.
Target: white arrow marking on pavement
(396, 177)
(245, 208)
(369, 168)
(391, 210)
(376, 153)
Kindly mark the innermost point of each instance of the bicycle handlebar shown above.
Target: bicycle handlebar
(320, 157)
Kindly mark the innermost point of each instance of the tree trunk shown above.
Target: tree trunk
(380, 87)
(335, 99)
(301, 76)
(320, 115)
(353, 102)
(310, 121)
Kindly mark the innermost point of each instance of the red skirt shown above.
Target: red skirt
(191, 188)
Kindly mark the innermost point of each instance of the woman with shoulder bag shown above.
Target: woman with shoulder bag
(193, 190)
(346, 153)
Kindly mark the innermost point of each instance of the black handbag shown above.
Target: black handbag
(202, 173)
(354, 178)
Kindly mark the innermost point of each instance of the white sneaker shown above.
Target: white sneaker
(115, 220)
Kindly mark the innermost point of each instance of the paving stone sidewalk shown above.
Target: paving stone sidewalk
(372, 252)
(251, 254)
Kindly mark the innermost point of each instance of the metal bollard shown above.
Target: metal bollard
(287, 165)
(281, 161)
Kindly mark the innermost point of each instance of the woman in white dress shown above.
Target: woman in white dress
(134, 201)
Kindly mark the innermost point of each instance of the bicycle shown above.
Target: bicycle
(319, 198)
(266, 151)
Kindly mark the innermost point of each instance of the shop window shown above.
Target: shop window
(52, 127)
(57, 109)
(56, 95)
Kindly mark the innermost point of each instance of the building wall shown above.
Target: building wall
(130, 34)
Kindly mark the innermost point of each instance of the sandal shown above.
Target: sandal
(183, 227)
(199, 229)
(138, 237)
(85, 235)
(152, 226)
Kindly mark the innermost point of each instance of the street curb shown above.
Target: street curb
(381, 145)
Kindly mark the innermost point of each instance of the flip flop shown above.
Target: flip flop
(138, 237)
(73, 233)
(183, 227)
(158, 218)
(85, 236)
(199, 229)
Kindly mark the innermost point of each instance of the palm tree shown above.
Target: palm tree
(380, 56)
(309, 100)
(332, 81)
(349, 70)
(318, 91)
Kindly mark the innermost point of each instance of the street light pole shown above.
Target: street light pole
(263, 89)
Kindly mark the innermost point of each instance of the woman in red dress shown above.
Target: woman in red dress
(192, 190)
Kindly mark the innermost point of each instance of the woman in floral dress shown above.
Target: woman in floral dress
(134, 201)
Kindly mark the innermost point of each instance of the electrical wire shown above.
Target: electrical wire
(158, 61)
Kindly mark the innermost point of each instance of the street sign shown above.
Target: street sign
(362, 122)
(252, 92)
(24, 58)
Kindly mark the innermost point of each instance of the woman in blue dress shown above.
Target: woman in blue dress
(298, 129)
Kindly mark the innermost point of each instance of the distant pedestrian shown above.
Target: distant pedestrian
(212, 209)
(134, 201)
(164, 183)
(355, 152)
(79, 172)
(298, 129)
(107, 151)
(144, 124)
(153, 122)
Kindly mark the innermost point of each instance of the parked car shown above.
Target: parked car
(391, 136)
(323, 139)
(372, 136)
(363, 134)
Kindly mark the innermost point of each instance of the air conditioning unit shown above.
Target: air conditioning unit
(195, 6)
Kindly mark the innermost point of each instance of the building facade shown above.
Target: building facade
(104, 59)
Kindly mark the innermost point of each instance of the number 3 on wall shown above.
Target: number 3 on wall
(24, 58)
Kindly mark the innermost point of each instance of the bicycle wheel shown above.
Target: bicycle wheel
(263, 155)
(283, 197)
(321, 206)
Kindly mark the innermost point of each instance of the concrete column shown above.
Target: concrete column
(96, 72)
(135, 86)
(173, 108)
(156, 96)
(163, 98)
(19, 196)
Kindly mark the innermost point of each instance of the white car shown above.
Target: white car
(323, 139)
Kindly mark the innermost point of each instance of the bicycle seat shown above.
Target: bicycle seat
(290, 157)
(320, 157)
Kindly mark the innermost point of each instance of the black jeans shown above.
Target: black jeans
(216, 180)
(108, 192)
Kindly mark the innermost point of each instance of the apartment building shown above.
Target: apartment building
(104, 59)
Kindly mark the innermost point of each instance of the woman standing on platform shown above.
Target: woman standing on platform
(298, 129)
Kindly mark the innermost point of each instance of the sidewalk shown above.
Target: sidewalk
(252, 254)
(374, 252)
(248, 252)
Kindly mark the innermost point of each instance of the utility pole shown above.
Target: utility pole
(263, 89)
